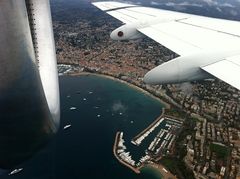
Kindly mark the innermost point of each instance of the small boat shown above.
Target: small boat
(98, 115)
(84, 99)
(120, 113)
(15, 171)
(72, 108)
(67, 126)
(90, 92)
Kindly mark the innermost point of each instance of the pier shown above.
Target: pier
(141, 136)
(161, 144)
(116, 154)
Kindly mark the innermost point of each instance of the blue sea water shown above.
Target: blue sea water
(85, 150)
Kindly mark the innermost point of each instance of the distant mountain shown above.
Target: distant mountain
(227, 9)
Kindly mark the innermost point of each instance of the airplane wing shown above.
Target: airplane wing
(185, 34)
(227, 70)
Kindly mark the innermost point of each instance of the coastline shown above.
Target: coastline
(152, 166)
(165, 104)
(153, 170)
(160, 170)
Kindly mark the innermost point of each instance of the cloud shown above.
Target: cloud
(170, 4)
(154, 3)
(226, 5)
(138, 3)
(186, 88)
(211, 2)
(233, 13)
(219, 9)
(118, 107)
(217, 3)
(180, 5)
(190, 4)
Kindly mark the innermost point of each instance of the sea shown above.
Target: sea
(96, 108)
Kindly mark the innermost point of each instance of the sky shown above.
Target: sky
(228, 9)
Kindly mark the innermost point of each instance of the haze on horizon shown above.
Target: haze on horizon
(226, 9)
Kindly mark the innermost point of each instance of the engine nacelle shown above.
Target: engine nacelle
(186, 68)
(29, 92)
(126, 32)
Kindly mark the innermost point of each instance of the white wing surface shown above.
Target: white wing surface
(185, 34)
(227, 70)
(184, 37)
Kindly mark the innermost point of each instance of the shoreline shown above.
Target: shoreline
(165, 104)
(155, 171)
(161, 170)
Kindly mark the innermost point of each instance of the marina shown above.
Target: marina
(166, 128)
(164, 140)
(142, 135)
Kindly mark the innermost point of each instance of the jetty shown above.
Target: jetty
(143, 134)
(123, 159)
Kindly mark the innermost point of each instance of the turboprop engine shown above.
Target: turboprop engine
(126, 32)
(29, 92)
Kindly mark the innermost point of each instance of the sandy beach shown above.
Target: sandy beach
(164, 172)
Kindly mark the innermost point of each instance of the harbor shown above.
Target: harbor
(142, 135)
(166, 128)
